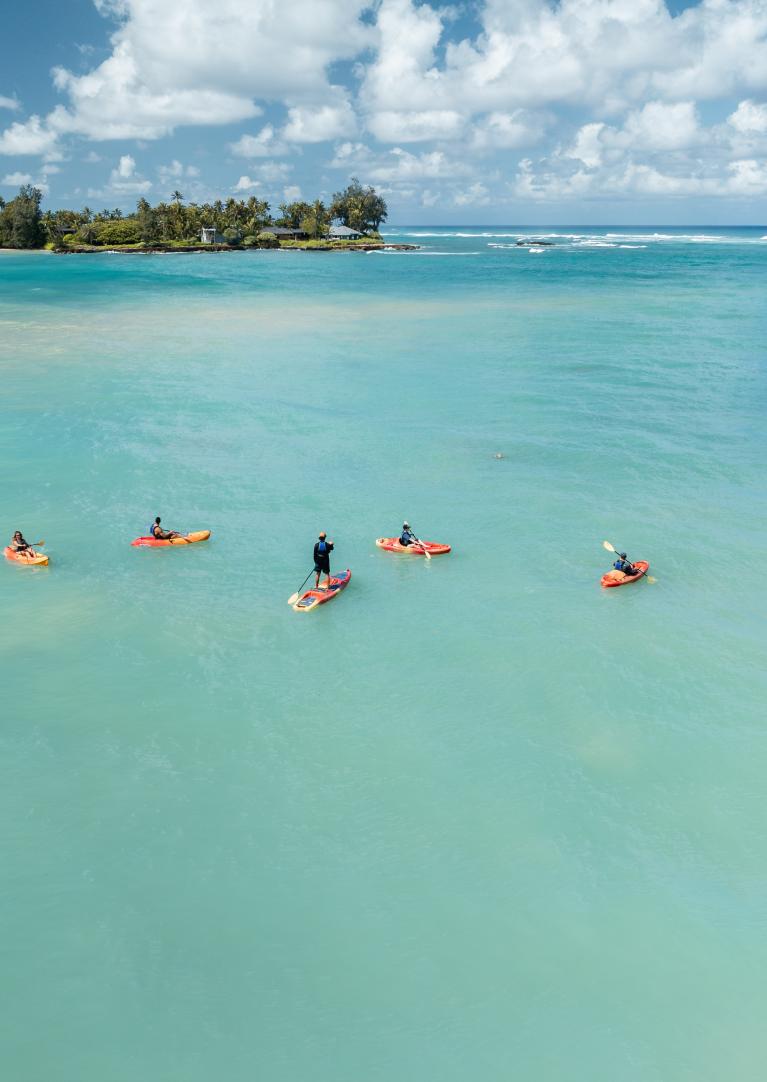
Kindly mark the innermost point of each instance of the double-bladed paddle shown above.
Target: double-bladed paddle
(426, 552)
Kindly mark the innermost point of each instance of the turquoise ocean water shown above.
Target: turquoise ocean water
(475, 819)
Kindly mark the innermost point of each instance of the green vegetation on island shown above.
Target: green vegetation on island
(352, 218)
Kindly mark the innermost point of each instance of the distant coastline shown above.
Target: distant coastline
(351, 222)
(215, 249)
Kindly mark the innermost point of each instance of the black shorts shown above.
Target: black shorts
(322, 569)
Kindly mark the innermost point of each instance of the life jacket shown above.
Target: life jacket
(152, 527)
(322, 548)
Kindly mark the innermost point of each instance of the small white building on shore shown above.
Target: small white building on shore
(211, 236)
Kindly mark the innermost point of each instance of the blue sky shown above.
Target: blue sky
(502, 111)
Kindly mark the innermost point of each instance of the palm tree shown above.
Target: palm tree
(177, 196)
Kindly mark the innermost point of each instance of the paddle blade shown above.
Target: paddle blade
(608, 546)
(651, 578)
(38, 544)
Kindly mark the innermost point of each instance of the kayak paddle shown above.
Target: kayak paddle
(426, 552)
(294, 597)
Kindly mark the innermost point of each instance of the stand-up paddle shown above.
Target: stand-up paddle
(294, 597)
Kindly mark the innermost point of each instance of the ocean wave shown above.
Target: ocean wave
(581, 239)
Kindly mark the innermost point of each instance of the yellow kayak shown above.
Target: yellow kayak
(38, 560)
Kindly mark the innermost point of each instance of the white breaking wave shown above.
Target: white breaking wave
(628, 239)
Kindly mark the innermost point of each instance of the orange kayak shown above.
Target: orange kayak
(391, 544)
(40, 560)
(642, 568)
(187, 539)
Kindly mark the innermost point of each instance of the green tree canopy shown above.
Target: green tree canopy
(316, 221)
(359, 208)
(21, 220)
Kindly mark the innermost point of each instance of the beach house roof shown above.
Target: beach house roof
(285, 231)
(343, 232)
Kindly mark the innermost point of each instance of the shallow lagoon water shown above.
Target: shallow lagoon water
(475, 818)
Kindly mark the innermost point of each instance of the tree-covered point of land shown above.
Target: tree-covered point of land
(21, 221)
(24, 225)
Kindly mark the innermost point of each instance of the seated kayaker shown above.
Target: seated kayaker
(18, 544)
(156, 531)
(623, 566)
(322, 551)
(407, 537)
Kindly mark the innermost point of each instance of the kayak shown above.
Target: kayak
(391, 544)
(187, 539)
(312, 598)
(40, 560)
(643, 567)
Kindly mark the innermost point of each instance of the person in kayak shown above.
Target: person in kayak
(322, 551)
(407, 537)
(623, 567)
(18, 544)
(156, 531)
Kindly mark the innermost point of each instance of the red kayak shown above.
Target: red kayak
(642, 567)
(391, 544)
(312, 598)
(187, 539)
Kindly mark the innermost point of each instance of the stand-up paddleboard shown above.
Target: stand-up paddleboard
(312, 598)
(391, 544)
(39, 560)
(642, 568)
(187, 539)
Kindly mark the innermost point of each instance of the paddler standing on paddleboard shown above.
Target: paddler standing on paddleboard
(322, 551)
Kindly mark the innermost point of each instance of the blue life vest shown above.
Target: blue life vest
(322, 548)
(150, 531)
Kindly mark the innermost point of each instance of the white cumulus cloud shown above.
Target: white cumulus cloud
(264, 145)
(749, 117)
(318, 124)
(30, 137)
(16, 179)
(205, 63)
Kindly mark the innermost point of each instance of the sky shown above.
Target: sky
(485, 111)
